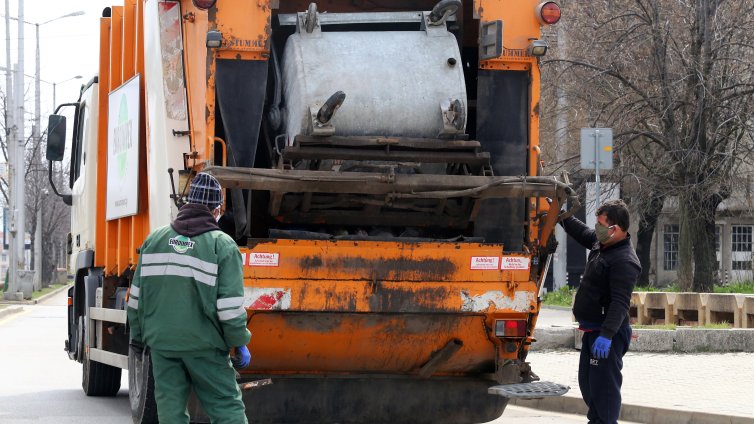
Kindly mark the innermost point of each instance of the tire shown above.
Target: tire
(97, 379)
(141, 388)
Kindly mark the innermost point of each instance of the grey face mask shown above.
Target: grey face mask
(601, 232)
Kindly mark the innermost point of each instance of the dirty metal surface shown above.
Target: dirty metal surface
(533, 390)
(373, 400)
(410, 186)
(381, 268)
(302, 342)
(389, 296)
(377, 262)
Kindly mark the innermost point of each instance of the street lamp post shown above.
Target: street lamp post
(16, 170)
(18, 200)
(10, 138)
(54, 88)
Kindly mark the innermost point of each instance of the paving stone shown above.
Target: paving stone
(714, 340)
(644, 340)
(712, 383)
(552, 338)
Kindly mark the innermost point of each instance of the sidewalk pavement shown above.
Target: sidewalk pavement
(657, 387)
(10, 303)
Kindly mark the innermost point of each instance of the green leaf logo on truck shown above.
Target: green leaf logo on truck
(122, 138)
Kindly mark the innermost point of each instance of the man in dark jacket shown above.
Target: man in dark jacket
(601, 307)
(186, 304)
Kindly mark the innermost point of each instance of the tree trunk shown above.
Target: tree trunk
(685, 245)
(32, 239)
(47, 263)
(647, 224)
(705, 257)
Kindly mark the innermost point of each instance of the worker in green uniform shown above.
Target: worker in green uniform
(186, 306)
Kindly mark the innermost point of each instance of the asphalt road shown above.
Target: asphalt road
(39, 384)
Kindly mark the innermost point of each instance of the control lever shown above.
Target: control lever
(176, 198)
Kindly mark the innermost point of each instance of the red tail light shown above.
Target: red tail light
(548, 12)
(510, 328)
(204, 4)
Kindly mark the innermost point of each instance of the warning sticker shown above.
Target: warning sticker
(514, 263)
(264, 259)
(485, 262)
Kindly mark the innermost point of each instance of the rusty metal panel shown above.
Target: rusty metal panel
(381, 261)
(389, 296)
(292, 342)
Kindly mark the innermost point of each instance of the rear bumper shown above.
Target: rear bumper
(372, 400)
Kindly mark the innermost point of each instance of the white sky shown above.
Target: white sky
(68, 47)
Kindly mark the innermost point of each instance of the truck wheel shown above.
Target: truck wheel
(98, 379)
(141, 388)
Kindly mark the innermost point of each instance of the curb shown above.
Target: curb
(682, 339)
(557, 308)
(10, 310)
(635, 413)
(52, 293)
(35, 301)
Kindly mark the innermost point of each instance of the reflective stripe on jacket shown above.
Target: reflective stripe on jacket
(186, 296)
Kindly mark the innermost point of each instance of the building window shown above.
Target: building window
(670, 243)
(718, 231)
(741, 238)
(741, 265)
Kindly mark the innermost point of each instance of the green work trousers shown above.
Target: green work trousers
(213, 380)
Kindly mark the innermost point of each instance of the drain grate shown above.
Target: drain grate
(533, 390)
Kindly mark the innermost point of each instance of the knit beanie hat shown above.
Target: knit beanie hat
(205, 190)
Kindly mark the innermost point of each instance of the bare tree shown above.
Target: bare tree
(55, 214)
(673, 78)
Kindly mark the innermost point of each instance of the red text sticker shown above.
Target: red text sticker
(514, 263)
(485, 262)
(264, 259)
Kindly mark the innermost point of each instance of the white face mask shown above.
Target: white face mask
(217, 214)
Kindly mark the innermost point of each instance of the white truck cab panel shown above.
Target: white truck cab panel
(84, 170)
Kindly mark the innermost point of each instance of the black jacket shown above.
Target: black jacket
(610, 275)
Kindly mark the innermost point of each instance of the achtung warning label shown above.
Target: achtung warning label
(264, 259)
(485, 262)
(514, 263)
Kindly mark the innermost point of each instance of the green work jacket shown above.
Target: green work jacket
(186, 297)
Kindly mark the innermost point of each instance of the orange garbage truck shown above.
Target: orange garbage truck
(383, 182)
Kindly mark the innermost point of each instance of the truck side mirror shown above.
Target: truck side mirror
(56, 138)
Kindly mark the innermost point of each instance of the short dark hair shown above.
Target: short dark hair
(617, 213)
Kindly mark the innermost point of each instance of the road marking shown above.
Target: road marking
(13, 315)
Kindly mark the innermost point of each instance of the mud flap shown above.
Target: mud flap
(535, 390)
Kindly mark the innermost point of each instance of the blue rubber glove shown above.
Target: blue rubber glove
(241, 358)
(601, 347)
